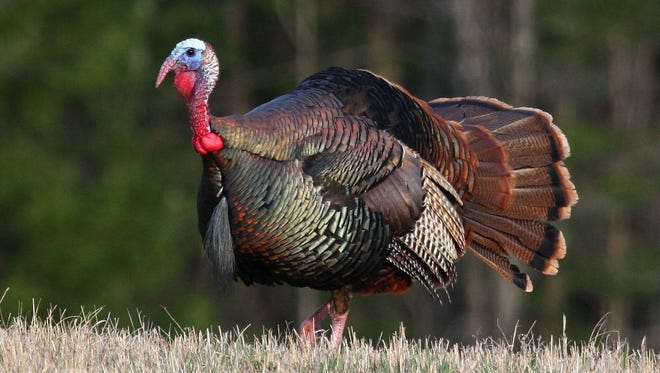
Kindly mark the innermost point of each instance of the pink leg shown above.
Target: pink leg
(338, 325)
(337, 308)
(308, 328)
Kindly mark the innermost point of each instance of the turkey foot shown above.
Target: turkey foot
(337, 308)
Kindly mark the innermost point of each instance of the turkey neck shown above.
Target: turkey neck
(198, 107)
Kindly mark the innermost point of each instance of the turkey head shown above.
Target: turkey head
(196, 71)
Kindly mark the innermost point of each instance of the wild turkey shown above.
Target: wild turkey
(353, 185)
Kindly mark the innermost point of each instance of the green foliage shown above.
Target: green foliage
(91, 222)
(594, 19)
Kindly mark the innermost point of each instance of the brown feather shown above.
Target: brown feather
(520, 184)
(501, 265)
(399, 196)
(438, 237)
(508, 244)
(537, 236)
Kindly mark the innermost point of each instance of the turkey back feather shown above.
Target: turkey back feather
(339, 130)
(429, 177)
(407, 118)
(505, 163)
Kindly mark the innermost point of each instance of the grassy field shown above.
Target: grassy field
(89, 342)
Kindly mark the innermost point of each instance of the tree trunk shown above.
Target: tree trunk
(631, 84)
(434, 59)
(300, 19)
(472, 78)
(618, 245)
(473, 57)
(383, 45)
(522, 45)
(631, 73)
(238, 98)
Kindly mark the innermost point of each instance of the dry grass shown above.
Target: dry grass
(88, 342)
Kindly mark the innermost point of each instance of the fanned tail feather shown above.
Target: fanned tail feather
(520, 185)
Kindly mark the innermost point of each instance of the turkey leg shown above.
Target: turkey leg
(337, 308)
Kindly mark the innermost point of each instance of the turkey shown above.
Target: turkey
(352, 185)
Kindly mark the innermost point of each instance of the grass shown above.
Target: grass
(89, 342)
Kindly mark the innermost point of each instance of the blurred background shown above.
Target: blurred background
(98, 178)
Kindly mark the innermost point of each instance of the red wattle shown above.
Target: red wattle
(207, 143)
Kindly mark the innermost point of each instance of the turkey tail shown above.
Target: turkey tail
(520, 185)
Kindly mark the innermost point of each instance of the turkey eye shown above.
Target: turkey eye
(190, 52)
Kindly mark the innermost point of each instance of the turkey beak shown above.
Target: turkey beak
(167, 66)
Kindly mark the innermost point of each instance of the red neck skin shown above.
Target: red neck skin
(193, 87)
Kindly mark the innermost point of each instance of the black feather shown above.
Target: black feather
(219, 246)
